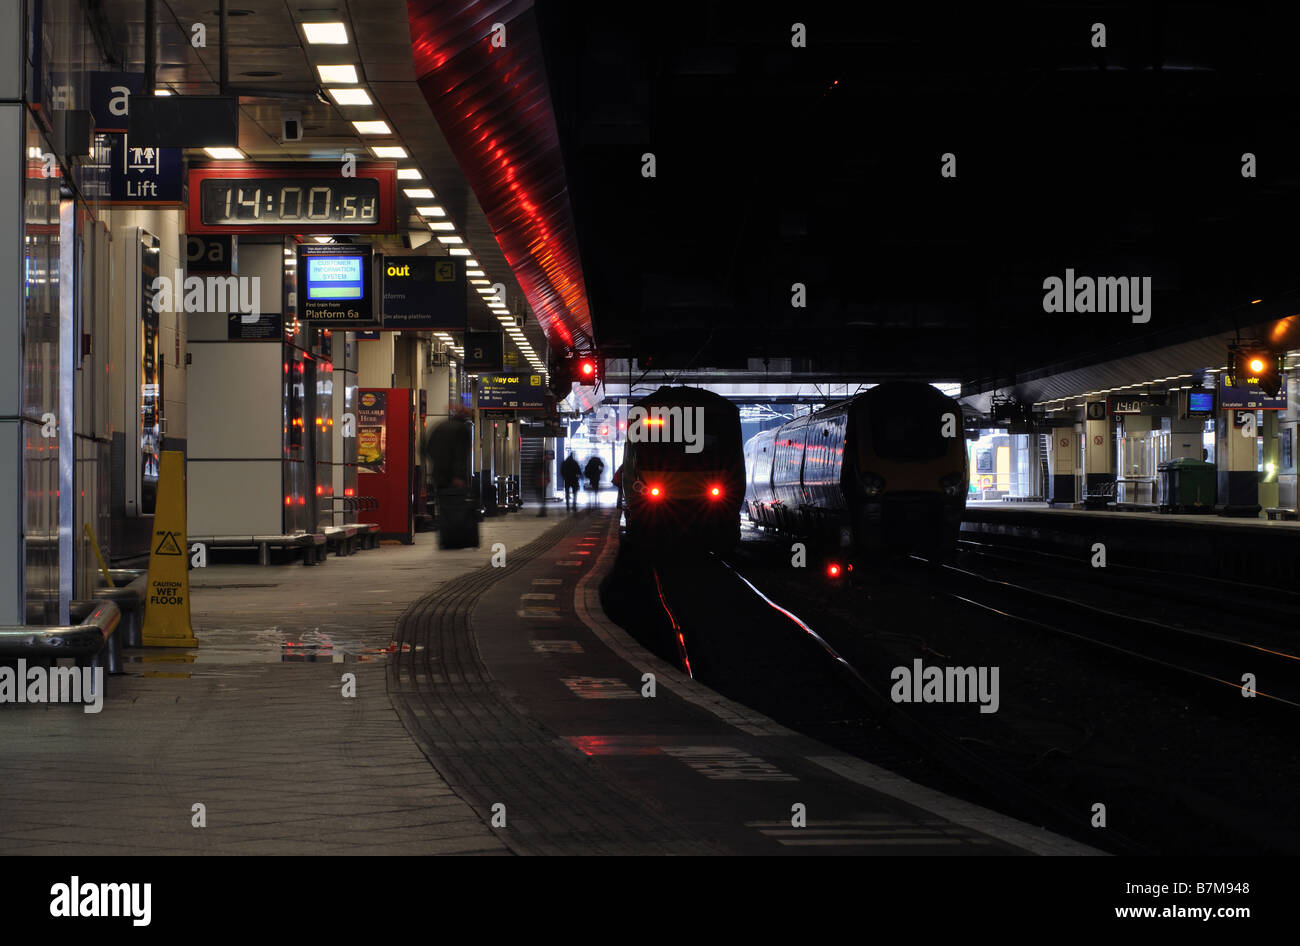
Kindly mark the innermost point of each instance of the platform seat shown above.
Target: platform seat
(368, 534)
(312, 544)
(342, 539)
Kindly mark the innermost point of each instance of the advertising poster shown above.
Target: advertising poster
(372, 445)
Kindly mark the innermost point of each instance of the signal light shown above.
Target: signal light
(655, 492)
(715, 492)
(604, 430)
(833, 570)
(1256, 365)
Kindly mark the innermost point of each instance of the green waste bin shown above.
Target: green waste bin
(1186, 485)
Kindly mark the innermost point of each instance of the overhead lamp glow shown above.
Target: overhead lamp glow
(225, 154)
(458, 251)
(486, 292)
(323, 239)
(162, 91)
(418, 193)
(338, 75)
(471, 262)
(441, 225)
(372, 128)
(326, 34)
(478, 282)
(389, 151)
(409, 174)
(431, 210)
(473, 272)
(450, 240)
(350, 96)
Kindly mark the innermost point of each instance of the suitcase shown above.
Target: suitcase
(457, 520)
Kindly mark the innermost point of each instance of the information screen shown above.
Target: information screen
(1200, 402)
(335, 277)
(274, 201)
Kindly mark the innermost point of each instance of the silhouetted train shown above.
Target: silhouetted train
(684, 468)
(885, 470)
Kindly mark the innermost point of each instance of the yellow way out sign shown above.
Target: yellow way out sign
(167, 595)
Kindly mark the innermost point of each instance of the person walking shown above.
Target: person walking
(449, 449)
(594, 468)
(571, 473)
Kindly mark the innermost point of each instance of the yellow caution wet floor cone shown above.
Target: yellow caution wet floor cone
(167, 595)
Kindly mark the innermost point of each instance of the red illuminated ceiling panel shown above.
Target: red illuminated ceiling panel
(494, 107)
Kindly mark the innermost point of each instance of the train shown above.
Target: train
(683, 474)
(884, 471)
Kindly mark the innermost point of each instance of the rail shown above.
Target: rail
(83, 640)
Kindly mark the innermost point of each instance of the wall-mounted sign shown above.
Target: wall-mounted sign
(110, 94)
(1137, 403)
(519, 392)
(424, 292)
(483, 351)
(1096, 410)
(335, 285)
(1249, 397)
(268, 327)
(269, 197)
(210, 253)
(123, 173)
(372, 440)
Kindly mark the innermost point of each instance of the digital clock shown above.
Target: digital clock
(279, 198)
(287, 200)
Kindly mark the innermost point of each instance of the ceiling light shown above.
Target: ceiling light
(372, 128)
(450, 240)
(338, 75)
(409, 174)
(323, 239)
(443, 225)
(389, 151)
(162, 91)
(471, 262)
(225, 154)
(431, 210)
(350, 96)
(458, 251)
(326, 34)
(421, 193)
(486, 292)
(474, 272)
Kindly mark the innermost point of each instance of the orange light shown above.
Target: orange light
(320, 490)
(654, 491)
(348, 491)
(288, 501)
(1257, 365)
(715, 492)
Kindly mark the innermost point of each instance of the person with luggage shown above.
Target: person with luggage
(449, 449)
(571, 473)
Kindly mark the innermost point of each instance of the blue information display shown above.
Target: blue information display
(335, 285)
(1249, 397)
(334, 277)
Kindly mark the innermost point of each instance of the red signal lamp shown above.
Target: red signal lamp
(656, 492)
(715, 492)
(833, 570)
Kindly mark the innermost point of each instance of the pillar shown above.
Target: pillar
(1238, 476)
(1100, 481)
(13, 423)
(1064, 466)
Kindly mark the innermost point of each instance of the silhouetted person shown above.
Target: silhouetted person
(450, 448)
(571, 473)
(594, 468)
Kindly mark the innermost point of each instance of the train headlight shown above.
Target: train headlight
(873, 484)
(953, 485)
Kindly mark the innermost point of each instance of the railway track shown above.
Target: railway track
(1211, 658)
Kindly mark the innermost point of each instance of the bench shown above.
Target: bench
(312, 544)
(1281, 512)
(342, 539)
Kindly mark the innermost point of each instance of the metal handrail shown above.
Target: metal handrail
(77, 640)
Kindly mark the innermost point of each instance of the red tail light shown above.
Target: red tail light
(715, 492)
(656, 492)
(833, 570)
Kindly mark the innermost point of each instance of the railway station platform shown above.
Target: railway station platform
(496, 711)
(1256, 551)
